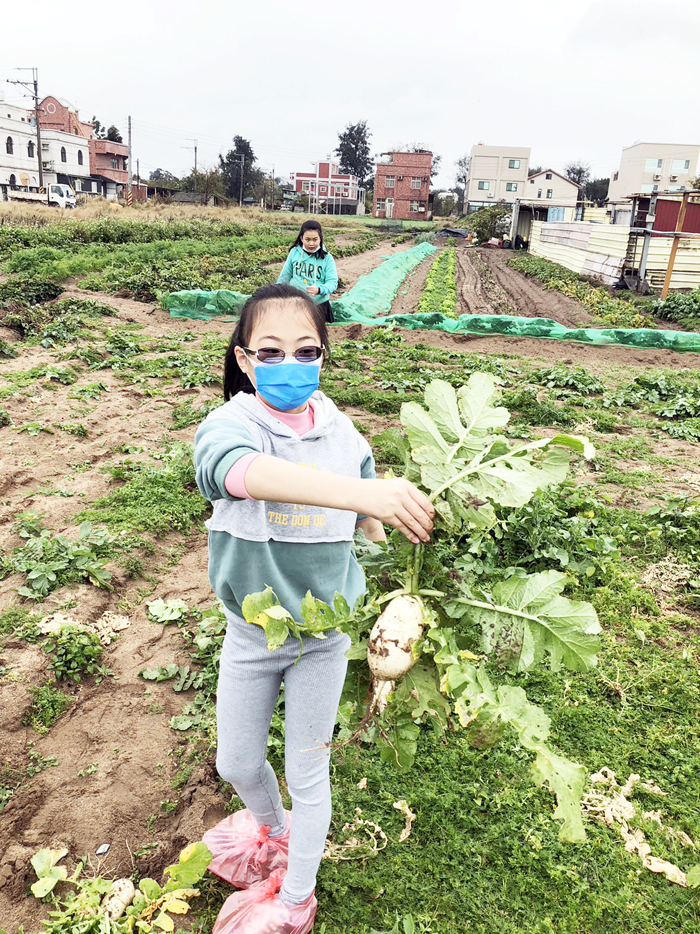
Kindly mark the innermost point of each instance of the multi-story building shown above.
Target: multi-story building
(108, 159)
(329, 191)
(402, 185)
(496, 173)
(646, 168)
(64, 156)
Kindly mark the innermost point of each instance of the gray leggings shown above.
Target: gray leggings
(250, 677)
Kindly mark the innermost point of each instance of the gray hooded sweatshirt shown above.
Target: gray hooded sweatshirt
(292, 548)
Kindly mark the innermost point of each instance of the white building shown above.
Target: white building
(496, 173)
(65, 157)
(549, 185)
(646, 168)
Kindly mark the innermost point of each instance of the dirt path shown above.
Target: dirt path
(472, 298)
(528, 298)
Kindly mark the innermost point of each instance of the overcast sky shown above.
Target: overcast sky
(574, 81)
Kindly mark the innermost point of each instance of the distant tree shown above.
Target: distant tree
(353, 149)
(596, 189)
(695, 183)
(461, 175)
(578, 172)
(534, 170)
(444, 202)
(231, 168)
(165, 177)
(209, 181)
(103, 132)
(493, 221)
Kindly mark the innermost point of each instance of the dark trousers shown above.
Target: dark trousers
(328, 311)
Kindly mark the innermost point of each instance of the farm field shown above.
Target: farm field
(100, 395)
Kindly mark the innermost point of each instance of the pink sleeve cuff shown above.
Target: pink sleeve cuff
(235, 478)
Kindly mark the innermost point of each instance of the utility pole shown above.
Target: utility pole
(240, 193)
(35, 79)
(190, 140)
(129, 188)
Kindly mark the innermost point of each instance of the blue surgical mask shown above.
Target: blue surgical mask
(287, 386)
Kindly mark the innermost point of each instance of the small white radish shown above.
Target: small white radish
(390, 647)
(118, 898)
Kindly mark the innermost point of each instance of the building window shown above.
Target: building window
(550, 193)
(13, 181)
(414, 206)
(304, 186)
(539, 192)
(548, 176)
(30, 149)
(616, 175)
(653, 165)
(115, 163)
(80, 157)
(9, 148)
(511, 186)
(483, 186)
(532, 181)
(415, 183)
(681, 165)
(64, 157)
(323, 189)
(514, 163)
(390, 181)
(381, 204)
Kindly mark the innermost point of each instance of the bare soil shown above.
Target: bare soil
(115, 755)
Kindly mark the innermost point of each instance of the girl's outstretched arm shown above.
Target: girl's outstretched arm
(395, 501)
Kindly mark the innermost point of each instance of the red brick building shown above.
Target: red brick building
(108, 160)
(402, 185)
(329, 191)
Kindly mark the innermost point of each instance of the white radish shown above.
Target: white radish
(118, 898)
(390, 647)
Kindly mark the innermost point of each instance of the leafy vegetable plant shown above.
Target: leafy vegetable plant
(99, 906)
(455, 451)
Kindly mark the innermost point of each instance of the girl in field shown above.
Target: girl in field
(311, 268)
(289, 478)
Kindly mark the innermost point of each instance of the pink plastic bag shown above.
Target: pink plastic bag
(259, 910)
(242, 851)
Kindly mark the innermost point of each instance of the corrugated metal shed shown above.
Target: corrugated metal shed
(605, 250)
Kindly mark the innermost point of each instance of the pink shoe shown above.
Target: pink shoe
(242, 850)
(259, 910)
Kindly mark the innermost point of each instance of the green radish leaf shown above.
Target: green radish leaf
(190, 868)
(398, 742)
(488, 712)
(528, 618)
(475, 405)
(150, 889)
(420, 691)
(421, 428)
(441, 400)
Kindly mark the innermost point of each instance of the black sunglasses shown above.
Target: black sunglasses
(275, 355)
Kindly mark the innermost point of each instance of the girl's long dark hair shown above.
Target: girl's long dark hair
(235, 380)
(311, 225)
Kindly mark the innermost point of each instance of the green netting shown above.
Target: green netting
(486, 325)
(373, 294)
(205, 305)
(371, 298)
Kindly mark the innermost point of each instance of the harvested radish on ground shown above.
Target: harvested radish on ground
(118, 899)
